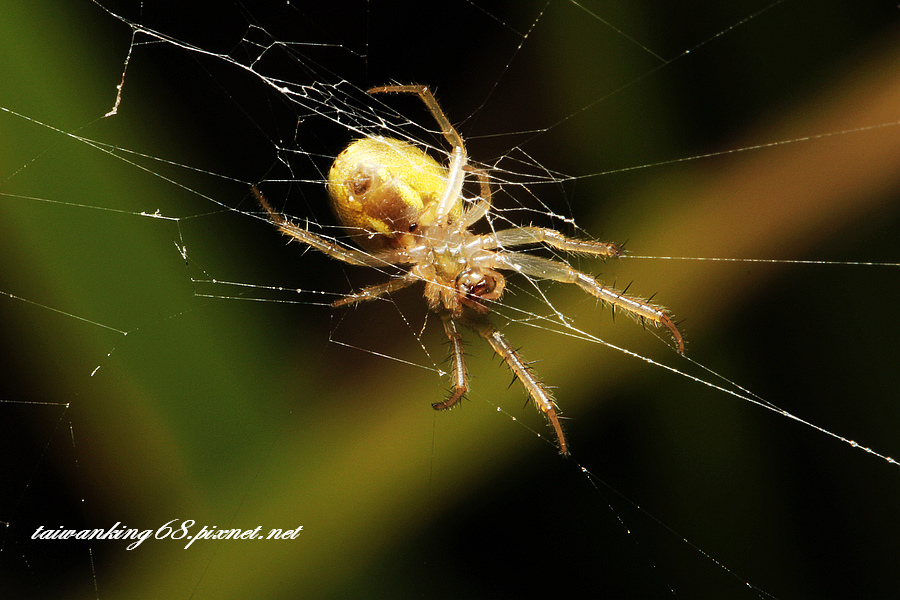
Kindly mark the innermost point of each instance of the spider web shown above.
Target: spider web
(169, 357)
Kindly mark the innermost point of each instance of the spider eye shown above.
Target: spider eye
(413, 227)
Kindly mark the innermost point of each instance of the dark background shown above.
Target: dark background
(240, 413)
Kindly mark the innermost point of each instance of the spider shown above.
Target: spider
(411, 212)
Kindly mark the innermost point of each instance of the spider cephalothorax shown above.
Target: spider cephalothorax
(404, 208)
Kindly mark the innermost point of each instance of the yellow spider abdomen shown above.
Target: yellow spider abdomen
(383, 189)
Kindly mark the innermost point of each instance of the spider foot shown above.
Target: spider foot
(456, 396)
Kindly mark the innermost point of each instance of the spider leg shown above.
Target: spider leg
(457, 364)
(542, 397)
(545, 268)
(482, 206)
(452, 136)
(523, 236)
(332, 249)
(376, 291)
(458, 158)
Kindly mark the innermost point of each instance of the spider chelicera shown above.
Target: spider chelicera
(404, 208)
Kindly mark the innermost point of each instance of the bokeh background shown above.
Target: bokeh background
(238, 413)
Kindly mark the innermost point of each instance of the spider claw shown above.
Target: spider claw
(452, 400)
(676, 333)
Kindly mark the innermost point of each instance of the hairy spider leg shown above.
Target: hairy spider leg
(329, 247)
(458, 371)
(523, 236)
(379, 289)
(545, 268)
(449, 132)
(536, 389)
